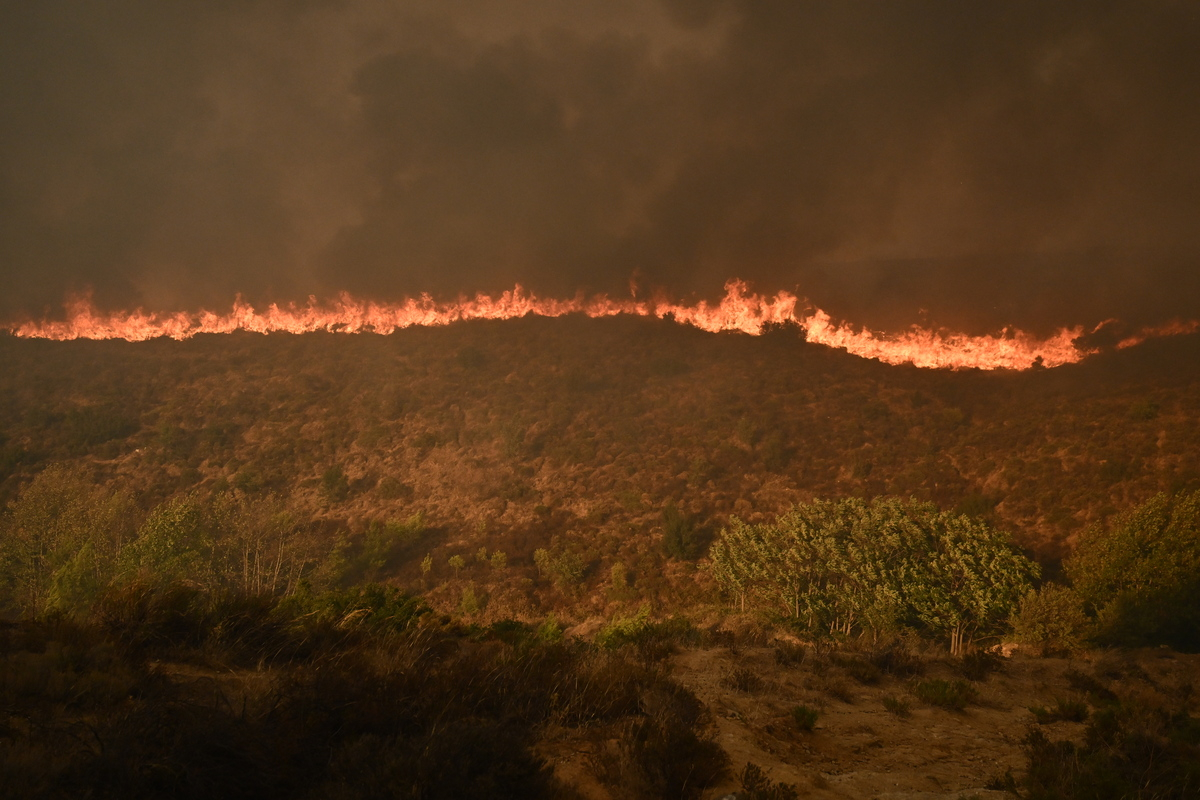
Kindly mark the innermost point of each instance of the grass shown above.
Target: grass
(953, 695)
(1096, 692)
(979, 664)
(790, 654)
(894, 705)
(743, 679)
(860, 669)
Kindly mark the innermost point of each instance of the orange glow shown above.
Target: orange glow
(739, 310)
(1170, 329)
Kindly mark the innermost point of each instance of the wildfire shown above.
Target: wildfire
(739, 310)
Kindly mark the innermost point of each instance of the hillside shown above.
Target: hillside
(576, 434)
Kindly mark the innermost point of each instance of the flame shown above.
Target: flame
(738, 310)
(1176, 328)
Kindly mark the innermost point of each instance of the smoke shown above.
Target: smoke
(960, 164)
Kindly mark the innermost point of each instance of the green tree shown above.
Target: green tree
(842, 566)
(971, 582)
(565, 569)
(498, 560)
(681, 537)
(258, 546)
(1051, 619)
(175, 543)
(60, 539)
(1140, 575)
(736, 559)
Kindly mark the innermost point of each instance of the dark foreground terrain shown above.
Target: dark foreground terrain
(170, 693)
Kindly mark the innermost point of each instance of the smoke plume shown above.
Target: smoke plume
(961, 164)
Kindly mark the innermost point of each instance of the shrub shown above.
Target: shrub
(860, 669)
(681, 537)
(978, 664)
(897, 659)
(470, 603)
(838, 688)
(335, 485)
(653, 641)
(385, 542)
(665, 753)
(789, 654)
(379, 608)
(565, 569)
(1064, 710)
(894, 705)
(757, 786)
(1127, 752)
(1096, 692)
(954, 695)
(1140, 575)
(549, 631)
(804, 718)
(1050, 619)
(743, 680)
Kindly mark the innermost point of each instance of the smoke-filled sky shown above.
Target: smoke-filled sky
(963, 164)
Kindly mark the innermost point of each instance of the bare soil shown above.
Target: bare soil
(859, 749)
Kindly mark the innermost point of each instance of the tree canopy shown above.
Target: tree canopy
(1140, 574)
(846, 565)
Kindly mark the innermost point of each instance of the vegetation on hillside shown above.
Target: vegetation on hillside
(848, 566)
(171, 691)
(1132, 582)
(341, 566)
(533, 427)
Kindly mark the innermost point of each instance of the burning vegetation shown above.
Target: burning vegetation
(738, 310)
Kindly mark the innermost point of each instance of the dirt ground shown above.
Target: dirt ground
(860, 749)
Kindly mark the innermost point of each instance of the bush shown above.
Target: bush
(860, 669)
(652, 640)
(335, 485)
(565, 569)
(1096, 692)
(681, 537)
(438, 712)
(897, 659)
(978, 664)
(1140, 575)
(1064, 710)
(804, 717)
(1050, 619)
(1129, 751)
(789, 654)
(757, 786)
(954, 695)
(743, 680)
(665, 753)
(894, 705)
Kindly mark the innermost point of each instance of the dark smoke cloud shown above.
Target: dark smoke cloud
(965, 164)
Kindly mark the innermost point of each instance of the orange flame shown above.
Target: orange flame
(739, 310)
(1175, 328)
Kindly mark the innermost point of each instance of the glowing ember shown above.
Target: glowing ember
(737, 311)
